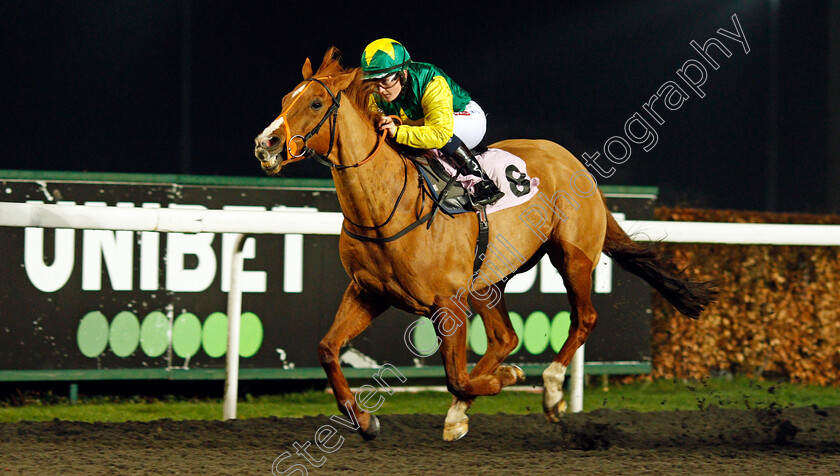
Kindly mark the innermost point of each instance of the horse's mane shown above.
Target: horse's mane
(358, 92)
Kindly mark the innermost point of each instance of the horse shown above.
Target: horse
(430, 271)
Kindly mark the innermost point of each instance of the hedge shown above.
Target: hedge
(778, 312)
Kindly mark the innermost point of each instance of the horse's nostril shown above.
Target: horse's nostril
(270, 142)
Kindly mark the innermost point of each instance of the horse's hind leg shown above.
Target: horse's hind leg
(451, 327)
(501, 340)
(576, 269)
(355, 313)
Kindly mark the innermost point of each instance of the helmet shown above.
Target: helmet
(382, 57)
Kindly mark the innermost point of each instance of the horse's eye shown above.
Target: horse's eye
(316, 104)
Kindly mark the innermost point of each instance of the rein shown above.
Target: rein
(393, 211)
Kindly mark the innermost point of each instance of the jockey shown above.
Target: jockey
(436, 113)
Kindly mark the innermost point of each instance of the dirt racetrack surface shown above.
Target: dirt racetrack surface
(711, 441)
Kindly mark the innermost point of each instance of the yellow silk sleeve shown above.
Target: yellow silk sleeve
(438, 118)
(372, 104)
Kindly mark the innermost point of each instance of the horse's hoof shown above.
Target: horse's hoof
(510, 371)
(455, 431)
(554, 413)
(520, 374)
(372, 430)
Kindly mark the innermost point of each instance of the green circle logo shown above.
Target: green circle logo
(186, 335)
(519, 328)
(251, 335)
(214, 334)
(560, 329)
(537, 329)
(154, 334)
(478, 338)
(124, 336)
(424, 336)
(92, 334)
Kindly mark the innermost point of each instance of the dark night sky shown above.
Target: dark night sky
(99, 86)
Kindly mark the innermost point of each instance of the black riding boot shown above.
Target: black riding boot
(485, 192)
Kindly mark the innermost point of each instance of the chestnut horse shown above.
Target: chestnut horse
(429, 272)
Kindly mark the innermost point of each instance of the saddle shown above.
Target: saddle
(450, 195)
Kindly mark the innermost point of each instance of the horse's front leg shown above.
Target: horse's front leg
(355, 313)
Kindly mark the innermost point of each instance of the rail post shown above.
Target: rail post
(234, 311)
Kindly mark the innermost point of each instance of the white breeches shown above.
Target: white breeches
(470, 125)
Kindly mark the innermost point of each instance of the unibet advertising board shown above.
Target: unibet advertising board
(84, 304)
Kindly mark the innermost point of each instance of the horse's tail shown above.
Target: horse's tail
(689, 297)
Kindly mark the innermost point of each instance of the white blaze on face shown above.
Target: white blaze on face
(299, 90)
(279, 121)
(270, 129)
(553, 378)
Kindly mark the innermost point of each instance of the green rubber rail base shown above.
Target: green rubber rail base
(309, 373)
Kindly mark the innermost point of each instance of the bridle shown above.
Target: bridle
(295, 151)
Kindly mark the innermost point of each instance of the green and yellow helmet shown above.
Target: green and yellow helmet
(383, 57)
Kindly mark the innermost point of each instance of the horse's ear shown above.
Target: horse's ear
(307, 69)
(343, 81)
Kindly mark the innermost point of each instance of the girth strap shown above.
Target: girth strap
(483, 238)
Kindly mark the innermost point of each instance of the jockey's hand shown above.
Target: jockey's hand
(387, 124)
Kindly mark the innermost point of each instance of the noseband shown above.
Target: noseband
(294, 151)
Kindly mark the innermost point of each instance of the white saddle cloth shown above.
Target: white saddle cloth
(496, 163)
